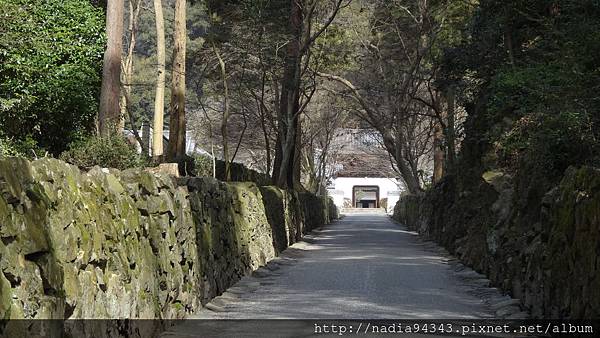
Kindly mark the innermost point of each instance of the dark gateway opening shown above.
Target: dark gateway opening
(365, 196)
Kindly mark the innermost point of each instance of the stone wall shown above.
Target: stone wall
(130, 244)
(546, 256)
(284, 209)
(317, 210)
(202, 166)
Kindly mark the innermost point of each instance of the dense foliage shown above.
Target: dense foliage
(7, 148)
(525, 72)
(535, 70)
(144, 59)
(50, 60)
(111, 152)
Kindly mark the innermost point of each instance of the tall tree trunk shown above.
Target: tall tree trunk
(288, 158)
(225, 118)
(412, 182)
(451, 130)
(297, 163)
(394, 147)
(278, 127)
(127, 65)
(159, 100)
(145, 136)
(438, 153)
(263, 123)
(127, 75)
(177, 123)
(323, 166)
(109, 112)
(286, 155)
(309, 165)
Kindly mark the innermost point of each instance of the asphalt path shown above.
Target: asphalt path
(364, 266)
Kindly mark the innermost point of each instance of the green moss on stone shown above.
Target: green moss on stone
(5, 297)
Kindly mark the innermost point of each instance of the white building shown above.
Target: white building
(365, 192)
(365, 178)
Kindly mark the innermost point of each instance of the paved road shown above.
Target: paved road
(363, 266)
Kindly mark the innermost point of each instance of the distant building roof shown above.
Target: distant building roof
(361, 154)
(365, 165)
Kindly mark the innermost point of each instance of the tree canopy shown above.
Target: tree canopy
(443, 85)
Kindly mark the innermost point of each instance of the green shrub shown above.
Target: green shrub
(21, 148)
(50, 67)
(110, 152)
(7, 148)
(543, 117)
(549, 142)
(203, 166)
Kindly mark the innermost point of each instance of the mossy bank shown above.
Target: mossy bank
(133, 244)
(547, 253)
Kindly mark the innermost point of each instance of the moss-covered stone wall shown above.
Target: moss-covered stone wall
(131, 244)
(548, 256)
(283, 209)
(317, 210)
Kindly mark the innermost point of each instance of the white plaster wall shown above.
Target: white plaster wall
(337, 196)
(393, 198)
(341, 188)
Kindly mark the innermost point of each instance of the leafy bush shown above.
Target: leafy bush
(111, 152)
(546, 118)
(50, 66)
(550, 142)
(535, 96)
(203, 166)
(26, 147)
(7, 148)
